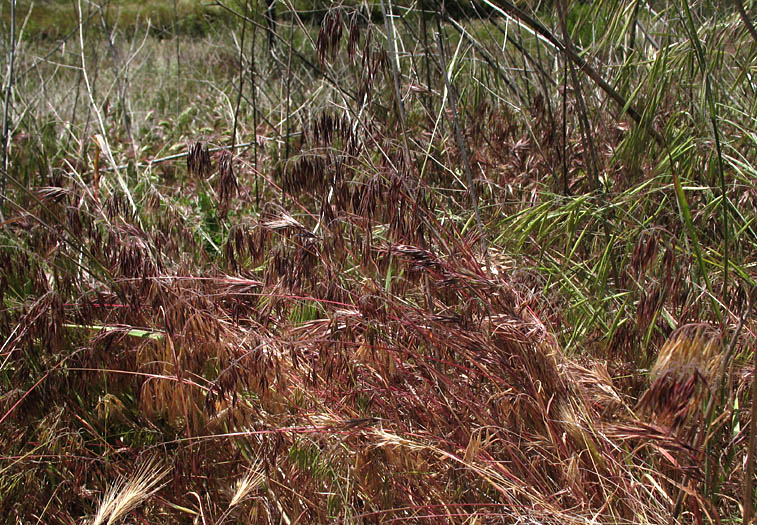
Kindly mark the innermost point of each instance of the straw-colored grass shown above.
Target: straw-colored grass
(488, 264)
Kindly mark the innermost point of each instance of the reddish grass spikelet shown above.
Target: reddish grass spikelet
(686, 367)
(227, 183)
(198, 160)
(329, 35)
(344, 342)
(353, 40)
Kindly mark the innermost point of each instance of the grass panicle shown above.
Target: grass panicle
(486, 263)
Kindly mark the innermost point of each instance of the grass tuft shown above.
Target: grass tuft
(359, 263)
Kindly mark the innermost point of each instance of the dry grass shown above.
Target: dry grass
(128, 493)
(305, 329)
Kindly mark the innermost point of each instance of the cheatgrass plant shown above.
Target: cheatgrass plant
(267, 262)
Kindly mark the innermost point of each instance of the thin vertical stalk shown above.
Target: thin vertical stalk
(424, 31)
(745, 19)
(452, 99)
(120, 79)
(748, 496)
(241, 75)
(178, 56)
(536, 63)
(270, 23)
(91, 89)
(704, 68)
(288, 103)
(566, 184)
(74, 108)
(254, 97)
(509, 9)
(104, 144)
(583, 118)
(389, 19)
(7, 106)
(490, 60)
(632, 29)
(525, 67)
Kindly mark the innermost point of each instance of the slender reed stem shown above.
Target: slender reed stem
(583, 119)
(103, 139)
(7, 106)
(511, 10)
(241, 75)
(390, 35)
(119, 75)
(254, 97)
(704, 67)
(745, 19)
(566, 182)
(748, 497)
(288, 103)
(452, 96)
(178, 56)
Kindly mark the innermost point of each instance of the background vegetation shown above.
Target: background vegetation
(300, 262)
